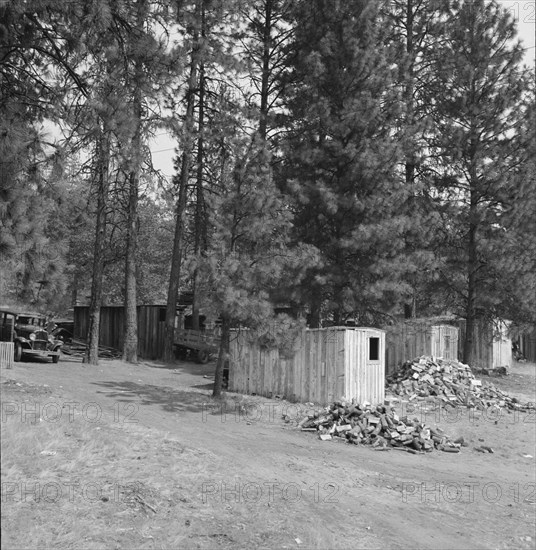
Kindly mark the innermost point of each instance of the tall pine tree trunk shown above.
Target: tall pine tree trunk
(223, 356)
(472, 250)
(315, 317)
(176, 260)
(472, 265)
(130, 344)
(265, 79)
(410, 121)
(200, 238)
(470, 312)
(103, 185)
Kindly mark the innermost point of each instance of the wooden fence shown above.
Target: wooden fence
(7, 352)
(326, 365)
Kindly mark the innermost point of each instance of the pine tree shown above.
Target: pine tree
(266, 44)
(416, 30)
(211, 61)
(36, 35)
(127, 64)
(187, 138)
(343, 161)
(479, 85)
(249, 250)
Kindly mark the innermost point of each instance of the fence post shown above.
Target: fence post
(7, 352)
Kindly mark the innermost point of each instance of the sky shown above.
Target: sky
(524, 11)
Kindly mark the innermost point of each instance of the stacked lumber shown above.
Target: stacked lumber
(451, 382)
(379, 427)
(77, 348)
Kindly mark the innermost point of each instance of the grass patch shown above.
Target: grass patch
(74, 484)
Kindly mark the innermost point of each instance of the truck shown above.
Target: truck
(199, 343)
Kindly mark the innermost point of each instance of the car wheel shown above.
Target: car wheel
(55, 358)
(202, 356)
(18, 352)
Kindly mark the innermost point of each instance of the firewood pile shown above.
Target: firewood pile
(451, 382)
(438, 382)
(379, 426)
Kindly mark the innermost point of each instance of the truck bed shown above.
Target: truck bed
(196, 339)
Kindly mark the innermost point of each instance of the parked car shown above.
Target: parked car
(28, 331)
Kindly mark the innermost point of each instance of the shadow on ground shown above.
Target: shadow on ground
(170, 399)
(208, 387)
(185, 367)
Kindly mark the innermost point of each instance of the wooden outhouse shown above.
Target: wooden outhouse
(527, 345)
(327, 364)
(493, 345)
(416, 337)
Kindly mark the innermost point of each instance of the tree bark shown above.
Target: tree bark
(410, 85)
(103, 161)
(472, 247)
(470, 312)
(410, 121)
(200, 238)
(315, 318)
(472, 265)
(130, 344)
(265, 79)
(223, 356)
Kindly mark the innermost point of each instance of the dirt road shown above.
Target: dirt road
(321, 494)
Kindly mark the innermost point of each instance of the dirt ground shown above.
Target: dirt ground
(262, 483)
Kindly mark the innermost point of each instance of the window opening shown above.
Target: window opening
(374, 349)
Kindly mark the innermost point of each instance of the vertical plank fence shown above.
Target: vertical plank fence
(7, 353)
(326, 365)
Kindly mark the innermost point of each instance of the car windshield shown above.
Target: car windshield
(35, 321)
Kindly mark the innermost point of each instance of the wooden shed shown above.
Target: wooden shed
(416, 337)
(327, 364)
(151, 326)
(527, 345)
(493, 345)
